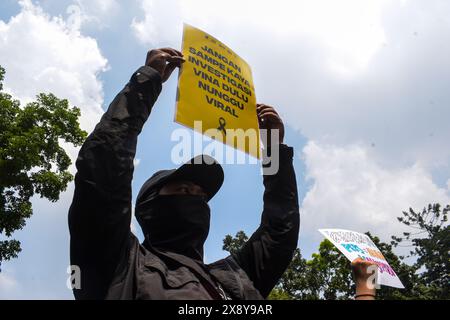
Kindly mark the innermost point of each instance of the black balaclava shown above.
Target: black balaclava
(179, 223)
(175, 223)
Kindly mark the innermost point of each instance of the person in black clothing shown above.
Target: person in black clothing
(172, 209)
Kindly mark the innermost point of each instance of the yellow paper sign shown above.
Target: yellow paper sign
(216, 96)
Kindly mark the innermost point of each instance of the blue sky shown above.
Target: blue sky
(361, 89)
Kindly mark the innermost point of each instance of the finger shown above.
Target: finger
(357, 261)
(269, 119)
(179, 52)
(176, 59)
(264, 107)
(269, 115)
(158, 57)
(150, 55)
(172, 52)
(261, 106)
(157, 53)
(266, 110)
(168, 70)
(165, 56)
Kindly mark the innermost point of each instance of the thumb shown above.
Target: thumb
(169, 69)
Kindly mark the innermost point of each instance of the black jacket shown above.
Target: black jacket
(114, 265)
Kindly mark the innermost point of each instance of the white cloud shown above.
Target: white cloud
(93, 13)
(349, 30)
(352, 191)
(45, 54)
(99, 7)
(341, 72)
(154, 27)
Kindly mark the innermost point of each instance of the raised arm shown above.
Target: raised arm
(100, 214)
(268, 252)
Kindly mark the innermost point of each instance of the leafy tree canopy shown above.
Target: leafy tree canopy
(327, 275)
(32, 160)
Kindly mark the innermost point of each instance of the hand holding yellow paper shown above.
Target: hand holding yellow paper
(215, 86)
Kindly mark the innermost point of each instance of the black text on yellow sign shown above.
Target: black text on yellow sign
(215, 93)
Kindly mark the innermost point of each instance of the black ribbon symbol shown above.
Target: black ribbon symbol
(221, 126)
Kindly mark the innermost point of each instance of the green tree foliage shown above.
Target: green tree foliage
(32, 160)
(331, 273)
(327, 275)
(332, 277)
(293, 285)
(429, 243)
(233, 244)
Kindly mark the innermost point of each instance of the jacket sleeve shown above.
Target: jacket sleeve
(268, 252)
(100, 214)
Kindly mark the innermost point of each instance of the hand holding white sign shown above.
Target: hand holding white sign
(364, 273)
(357, 245)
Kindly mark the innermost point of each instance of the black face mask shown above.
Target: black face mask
(176, 223)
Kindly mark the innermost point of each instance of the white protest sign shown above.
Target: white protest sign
(358, 245)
